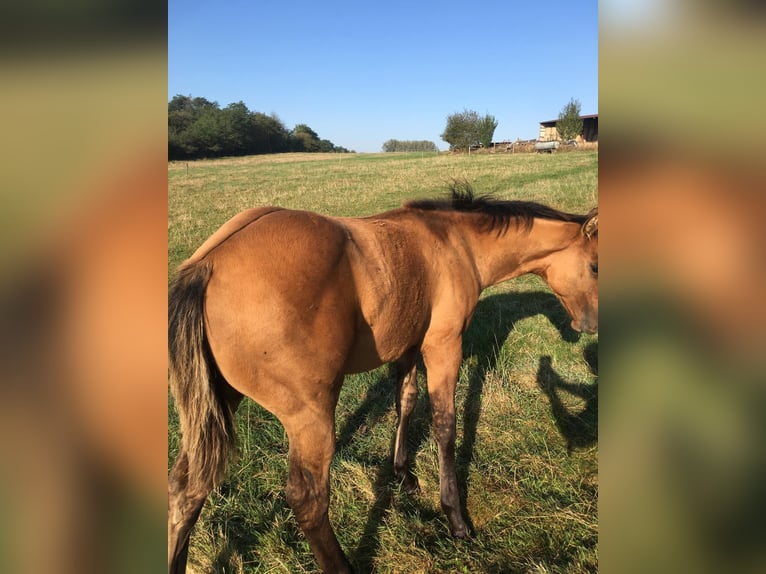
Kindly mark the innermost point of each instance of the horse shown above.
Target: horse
(279, 305)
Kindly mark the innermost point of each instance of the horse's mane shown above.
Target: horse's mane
(498, 213)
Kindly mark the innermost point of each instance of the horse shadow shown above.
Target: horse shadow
(494, 318)
(580, 429)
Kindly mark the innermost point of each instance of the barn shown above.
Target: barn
(589, 133)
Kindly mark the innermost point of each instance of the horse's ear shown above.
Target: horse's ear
(590, 227)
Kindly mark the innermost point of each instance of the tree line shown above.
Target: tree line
(200, 128)
(409, 145)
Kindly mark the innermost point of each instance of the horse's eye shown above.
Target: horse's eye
(594, 268)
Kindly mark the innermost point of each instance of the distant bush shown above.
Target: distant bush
(409, 145)
(462, 131)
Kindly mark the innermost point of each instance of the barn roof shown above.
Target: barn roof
(553, 122)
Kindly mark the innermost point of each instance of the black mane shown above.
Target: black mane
(498, 213)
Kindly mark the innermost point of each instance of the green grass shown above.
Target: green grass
(526, 400)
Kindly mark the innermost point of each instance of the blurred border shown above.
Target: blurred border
(683, 320)
(84, 278)
(83, 306)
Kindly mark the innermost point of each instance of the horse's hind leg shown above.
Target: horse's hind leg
(406, 399)
(184, 507)
(312, 444)
(185, 500)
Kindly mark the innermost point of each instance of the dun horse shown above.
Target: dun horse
(278, 305)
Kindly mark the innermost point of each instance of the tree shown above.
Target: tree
(569, 124)
(205, 134)
(305, 138)
(236, 133)
(487, 126)
(269, 134)
(462, 130)
(183, 112)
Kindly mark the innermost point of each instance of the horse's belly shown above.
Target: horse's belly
(374, 347)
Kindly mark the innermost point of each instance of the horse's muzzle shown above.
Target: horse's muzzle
(586, 325)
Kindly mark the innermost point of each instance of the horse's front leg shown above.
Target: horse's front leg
(442, 360)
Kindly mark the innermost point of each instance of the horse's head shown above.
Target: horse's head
(572, 274)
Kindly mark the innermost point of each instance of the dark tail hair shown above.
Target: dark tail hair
(207, 421)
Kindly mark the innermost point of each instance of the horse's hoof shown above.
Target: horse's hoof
(410, 485)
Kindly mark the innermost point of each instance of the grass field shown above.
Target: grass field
(527, 399)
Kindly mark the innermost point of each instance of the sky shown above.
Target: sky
(361, 73)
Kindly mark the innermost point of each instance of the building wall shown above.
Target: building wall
(548, 131)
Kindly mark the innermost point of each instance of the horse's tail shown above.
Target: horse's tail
(207, 420)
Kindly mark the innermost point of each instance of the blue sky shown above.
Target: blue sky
(360, 73)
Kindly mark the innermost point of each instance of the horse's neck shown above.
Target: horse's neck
(518, 251)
